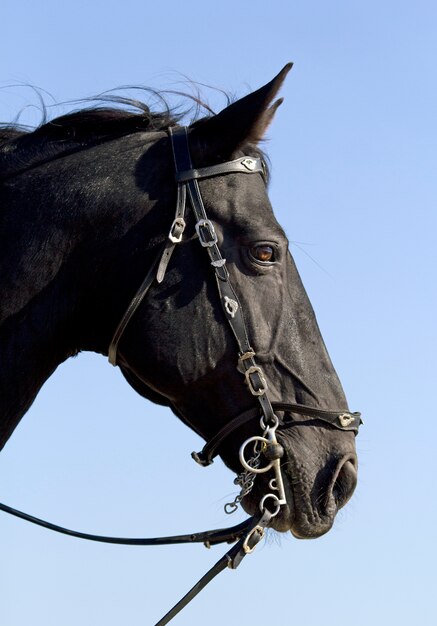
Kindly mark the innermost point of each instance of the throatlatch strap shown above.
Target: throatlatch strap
(133, 306)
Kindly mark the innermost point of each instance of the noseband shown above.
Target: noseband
(265, 446)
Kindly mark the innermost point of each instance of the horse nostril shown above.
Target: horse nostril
(344, 481)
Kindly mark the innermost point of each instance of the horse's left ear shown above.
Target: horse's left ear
(244, 121)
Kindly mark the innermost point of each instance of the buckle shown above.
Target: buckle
(254, 537)
(262, 386)
(206, 233)
(177, 230)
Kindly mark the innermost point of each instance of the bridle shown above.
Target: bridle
(265, 445)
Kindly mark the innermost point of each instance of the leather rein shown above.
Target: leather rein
(266, 450)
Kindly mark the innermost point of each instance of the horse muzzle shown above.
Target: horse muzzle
(310, 505)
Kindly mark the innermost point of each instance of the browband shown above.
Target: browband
(243, 165)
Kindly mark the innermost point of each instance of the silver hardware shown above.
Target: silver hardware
(274, 425)
(249, 164)
(278, 503)
(276, 483)
(254, 369)
(177, 230)
(209, 227)
(345, 419)
(273, 484)
(243, 357)
(231, 307)
(245, 480)
(218, 263)
(244, 463)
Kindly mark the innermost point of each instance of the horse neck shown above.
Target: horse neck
(30, 352)
(67, 268)
(36, 330)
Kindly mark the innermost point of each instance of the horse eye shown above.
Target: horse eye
(263, 253)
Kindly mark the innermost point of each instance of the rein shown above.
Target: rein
(265, 446)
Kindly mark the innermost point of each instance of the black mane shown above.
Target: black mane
(91, 125)
(112, 114)
(22, 148)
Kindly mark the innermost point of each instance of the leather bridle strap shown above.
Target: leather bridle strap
(243, 165)
(342, 420)
(248, 534)
(208, 240)
(185, 173)
(207, 537)
(231, 559)
(132, 308)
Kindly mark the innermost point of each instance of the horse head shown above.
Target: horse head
(221, 329)
(178, 349)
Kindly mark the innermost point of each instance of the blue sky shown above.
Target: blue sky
(354, 185)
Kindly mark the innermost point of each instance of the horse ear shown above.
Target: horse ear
(244, 121)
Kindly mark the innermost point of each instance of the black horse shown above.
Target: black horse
(87, 201)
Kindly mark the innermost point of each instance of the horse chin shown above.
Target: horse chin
(284, 520)
(293, 516)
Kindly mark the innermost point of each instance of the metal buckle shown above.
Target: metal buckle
(254, 369)
(206, 233)
(247, 355)
(256, 534)
(177, 230)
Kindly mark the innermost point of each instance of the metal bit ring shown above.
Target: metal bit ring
(276, 501)
(245, 464)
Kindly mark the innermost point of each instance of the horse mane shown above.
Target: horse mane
(90, 125)
(113, 116)
(23, 148)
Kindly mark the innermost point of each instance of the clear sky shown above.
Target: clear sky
(354, 184)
